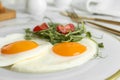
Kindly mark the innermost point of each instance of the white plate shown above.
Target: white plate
(97, 69)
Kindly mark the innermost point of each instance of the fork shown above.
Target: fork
(74, 14)
(74, 17)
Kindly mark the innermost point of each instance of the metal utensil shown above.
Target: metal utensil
(77, 19)
(66, 13)
(115, 76)
(110, 30)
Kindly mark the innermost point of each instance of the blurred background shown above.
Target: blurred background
(109, 7)
(37, 9)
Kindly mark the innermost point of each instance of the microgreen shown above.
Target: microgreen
(53, 36)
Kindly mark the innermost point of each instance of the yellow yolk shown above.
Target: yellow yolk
(69, 48)
(18, 46)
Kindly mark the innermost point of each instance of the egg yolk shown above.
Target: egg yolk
(69, 48)
(18, 46)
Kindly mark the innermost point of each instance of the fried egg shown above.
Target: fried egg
(14, 48)
(60, 56)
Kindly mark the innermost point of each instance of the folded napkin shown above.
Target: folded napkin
(107, 7)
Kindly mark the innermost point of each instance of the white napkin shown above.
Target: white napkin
(107, 7)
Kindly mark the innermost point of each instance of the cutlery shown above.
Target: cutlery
(110, 30)
(76, 18)
(115, 76)
(67, 13)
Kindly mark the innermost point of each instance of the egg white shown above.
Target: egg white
(6, 60)
(53, 62)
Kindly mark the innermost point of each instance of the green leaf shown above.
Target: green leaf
(88, 34)
(101, 45)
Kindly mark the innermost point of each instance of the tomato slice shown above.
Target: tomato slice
(70, 27)
(65, 29)
(43, 26)
(61, 29)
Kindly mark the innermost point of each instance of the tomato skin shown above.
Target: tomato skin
(65, 29)
(43, 26)
(71, 27)
(61, 29)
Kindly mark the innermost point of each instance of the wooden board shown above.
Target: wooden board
(8, 14)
